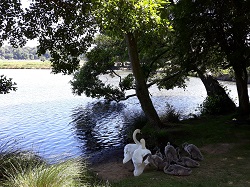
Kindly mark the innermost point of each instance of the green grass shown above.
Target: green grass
(65, 174)
(25, 169)
(226, 149)
(24, 64)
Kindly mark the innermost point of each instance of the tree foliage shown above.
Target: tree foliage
(101, 60)
(64, 28)
(215, 34)
(126, 16)
(153, 52)
(11, 23)
(6, 85)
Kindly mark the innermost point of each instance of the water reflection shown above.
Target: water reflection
(98, 125)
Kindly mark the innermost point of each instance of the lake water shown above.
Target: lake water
(44, 116)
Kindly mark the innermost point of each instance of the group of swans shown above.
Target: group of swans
(172, 163)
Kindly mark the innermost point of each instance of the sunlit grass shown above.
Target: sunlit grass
(25, 169)
(65, 174)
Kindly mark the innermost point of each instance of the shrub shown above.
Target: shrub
(171, 115)
(213, 105)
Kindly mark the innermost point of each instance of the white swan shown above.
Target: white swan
(138, 158)
(193, 151)
(130, 148)
(170, 153)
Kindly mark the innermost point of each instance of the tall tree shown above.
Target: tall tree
(130, 18)
(220, 27)
(66, 29)
(191, 52)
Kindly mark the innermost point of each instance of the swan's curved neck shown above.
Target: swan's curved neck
(134, 136)
(143, 144)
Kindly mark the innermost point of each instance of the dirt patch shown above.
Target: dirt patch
(108, 165)
(217, 148)
(113, 171)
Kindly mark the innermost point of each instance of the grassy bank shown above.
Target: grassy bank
(24, 64)
(224, 144)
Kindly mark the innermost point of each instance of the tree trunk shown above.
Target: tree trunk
(213, 88)
(241, 84)
(141, 86)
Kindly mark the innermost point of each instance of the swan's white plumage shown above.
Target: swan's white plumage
(130, 148)
(137, 158)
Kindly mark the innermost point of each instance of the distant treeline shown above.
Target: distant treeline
(25, 53)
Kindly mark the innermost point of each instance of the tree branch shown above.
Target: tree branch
(164, 79)
(156, 58)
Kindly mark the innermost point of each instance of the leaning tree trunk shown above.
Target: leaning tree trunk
(241, 78)
(213, 88)
(141, 86)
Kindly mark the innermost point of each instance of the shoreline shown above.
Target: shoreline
(113, 154)
(47, 65)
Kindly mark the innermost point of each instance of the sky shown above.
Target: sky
(25, 3)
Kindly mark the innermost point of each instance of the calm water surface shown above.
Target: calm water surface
(44, 116)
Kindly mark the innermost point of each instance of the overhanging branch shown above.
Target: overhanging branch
(164, 79)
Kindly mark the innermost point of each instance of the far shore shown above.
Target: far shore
(38, 64)
(24, 64)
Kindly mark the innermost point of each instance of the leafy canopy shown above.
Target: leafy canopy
(125, 16)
